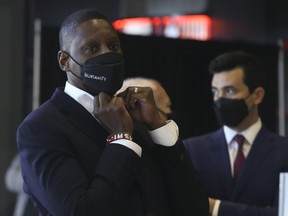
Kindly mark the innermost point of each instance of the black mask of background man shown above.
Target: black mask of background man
(230, 112)
(104, 72)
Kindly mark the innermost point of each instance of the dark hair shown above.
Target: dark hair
(70, 24)
(254, 73)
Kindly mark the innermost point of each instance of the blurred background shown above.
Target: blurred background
(172, 41)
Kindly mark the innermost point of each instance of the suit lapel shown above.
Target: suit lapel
(78, 115)
(221, 160)
(259, 149)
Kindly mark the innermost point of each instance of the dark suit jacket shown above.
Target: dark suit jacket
(69, 170)
(256, 192)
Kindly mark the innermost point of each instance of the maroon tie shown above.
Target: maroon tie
(240, 158)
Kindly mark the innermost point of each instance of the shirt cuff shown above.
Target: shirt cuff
(216, 208)
(166, 135)
(129, 144)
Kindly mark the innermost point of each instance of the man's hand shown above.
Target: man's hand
(140, 103)
(112, 114)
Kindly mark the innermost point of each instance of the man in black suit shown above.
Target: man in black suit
(241, 179)
(81, 152)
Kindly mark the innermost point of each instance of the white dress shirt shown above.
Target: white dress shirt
(250, 135)
(166, 135)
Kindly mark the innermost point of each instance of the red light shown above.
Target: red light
(156, 21)
(196, 27)
(141, 25)
(118, 24)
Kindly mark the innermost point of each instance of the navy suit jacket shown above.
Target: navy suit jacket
(69, 170)
(256, 192)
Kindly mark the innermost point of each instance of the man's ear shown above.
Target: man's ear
(63, 58)
(259, 94)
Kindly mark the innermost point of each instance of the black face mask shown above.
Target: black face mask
(230, 112)
(102, 73)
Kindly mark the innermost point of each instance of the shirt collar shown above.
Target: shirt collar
(249, 134)
(82, 97)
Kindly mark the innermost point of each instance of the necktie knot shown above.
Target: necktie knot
(239, 139)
